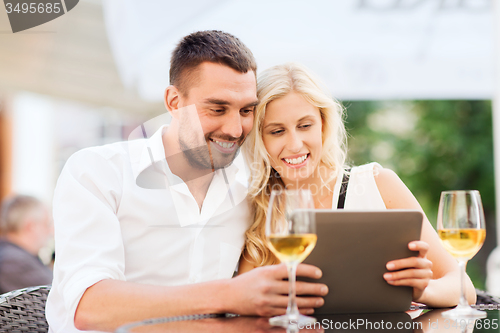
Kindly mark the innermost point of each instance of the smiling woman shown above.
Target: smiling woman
(298, 141)
(292, 137)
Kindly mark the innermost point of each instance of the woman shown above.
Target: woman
(298, 141)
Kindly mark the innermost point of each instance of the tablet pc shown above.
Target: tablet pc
(352, 250)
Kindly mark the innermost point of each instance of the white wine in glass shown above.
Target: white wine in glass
(290, 248)
(291, 236)
(462, 231)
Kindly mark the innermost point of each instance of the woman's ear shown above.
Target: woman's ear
(172, 100)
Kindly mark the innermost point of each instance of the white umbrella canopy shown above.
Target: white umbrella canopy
(362, 49)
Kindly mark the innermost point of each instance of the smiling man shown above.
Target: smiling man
(209, 122)
(127, 252)
(224, 130)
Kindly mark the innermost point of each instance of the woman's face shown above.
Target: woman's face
(292, 135)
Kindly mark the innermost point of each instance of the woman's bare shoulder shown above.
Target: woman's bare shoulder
(392, 189)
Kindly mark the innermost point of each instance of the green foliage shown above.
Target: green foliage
(433, 146)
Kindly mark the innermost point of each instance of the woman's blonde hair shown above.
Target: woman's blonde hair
(274, 83)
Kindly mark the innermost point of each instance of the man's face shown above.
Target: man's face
(217, 115)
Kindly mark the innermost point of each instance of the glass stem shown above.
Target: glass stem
(463, 298)
(292, 310)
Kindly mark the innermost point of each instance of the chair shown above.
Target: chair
(23, 310)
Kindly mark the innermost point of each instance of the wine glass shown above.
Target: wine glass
(291, 236)
(461, 228)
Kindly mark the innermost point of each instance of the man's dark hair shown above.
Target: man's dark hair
(213, 46)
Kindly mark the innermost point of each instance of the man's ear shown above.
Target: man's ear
(172, 100)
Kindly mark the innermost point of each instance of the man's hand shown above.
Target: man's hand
(264, 292)
(415, 272)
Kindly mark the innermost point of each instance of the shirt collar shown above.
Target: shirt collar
(153, 150)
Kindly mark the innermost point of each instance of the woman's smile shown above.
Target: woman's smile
(296, 161)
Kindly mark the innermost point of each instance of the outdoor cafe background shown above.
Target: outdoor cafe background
(417, 78)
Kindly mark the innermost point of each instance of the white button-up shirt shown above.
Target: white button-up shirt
(120, 213)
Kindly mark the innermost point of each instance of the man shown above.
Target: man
(155, 227)
(25, 227)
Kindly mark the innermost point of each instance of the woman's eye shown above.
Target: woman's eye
(218, 110)
(277, 132)
(305, 126)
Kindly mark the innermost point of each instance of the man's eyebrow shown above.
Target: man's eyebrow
(281, 124)
(254, 103)
(217, 101)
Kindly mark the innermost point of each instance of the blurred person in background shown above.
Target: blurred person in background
(25, 227)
